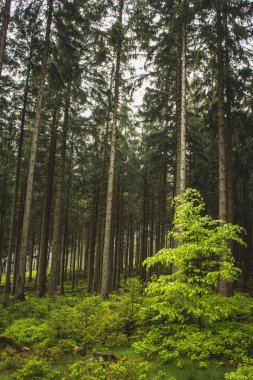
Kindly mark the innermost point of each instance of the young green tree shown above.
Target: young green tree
(180, 304)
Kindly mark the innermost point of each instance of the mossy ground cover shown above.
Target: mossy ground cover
(61, 335)
(179, 324)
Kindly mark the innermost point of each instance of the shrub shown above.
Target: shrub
(243, 372)
(10, 364)
(91, 369)
(35, 369)
(28, 330)
(133, 368)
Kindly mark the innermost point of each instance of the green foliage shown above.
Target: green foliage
(133, 368)
(10, 364)
(28, 330)
(183, 315)
(243, 372)
(91, 369)
(203, 241)
(128, 304)
(4, 320)
(129, 369)
(36, 368)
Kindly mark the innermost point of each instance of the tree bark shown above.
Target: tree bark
(4, 29)
(223, 285)
(13, 224)
(58, 200)
(2, 213)
(144, 235)
(91, 257)
(181, 150)
(108, 221)
(182, 170)
(43, 255)
(19, 291)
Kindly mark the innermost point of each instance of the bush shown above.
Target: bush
(133, 368)
(35, 369)
(243, 372)
(91, 369)
(28, 330)
(10, 364)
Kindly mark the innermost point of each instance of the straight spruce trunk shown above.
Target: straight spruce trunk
(105, 282)
(144, 235)
(181, 143)
(18, 238)
(99, 235)
(96, 286)
(229, 126)
(4, 29)
(19, 291)
(64, 258)
(224, 288)
(2, 213)
(182, 170)
(44, 238)
(131, 247)
(116, 235)
(13, 224)
(56, 242)
(91, 257)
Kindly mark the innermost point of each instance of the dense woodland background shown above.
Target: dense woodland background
(159, 92)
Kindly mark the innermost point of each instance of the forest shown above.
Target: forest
(126, 189)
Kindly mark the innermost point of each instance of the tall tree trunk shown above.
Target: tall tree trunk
(58, 200)
(43, 255)
(99, 243)
(75, 235)
(31, 258)
(181, 150)
(229, 126)
(120, 233)
(4, 29)
(64, 263)
(182, 170)
(178, 117)
(228, 137)
(18, 238)
(131, 246)
(13, 224)
(144, 235)
(115, 236)
(91, 257)
(128, 230)
(224, 288)
(19, 291)
(2, 213)
(108, 221)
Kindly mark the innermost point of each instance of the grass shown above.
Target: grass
(190, 372)
(158, 371)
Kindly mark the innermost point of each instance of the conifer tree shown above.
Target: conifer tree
(19, 289)
(108, 221)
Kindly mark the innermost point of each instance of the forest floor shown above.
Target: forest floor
(79, 336)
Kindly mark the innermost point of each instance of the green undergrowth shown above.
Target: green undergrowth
(177, 327)
(61, 335)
